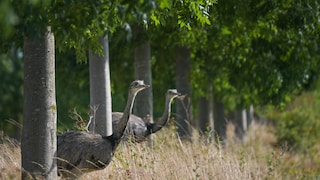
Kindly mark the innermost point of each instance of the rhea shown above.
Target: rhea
(80, 152)
(138, 129)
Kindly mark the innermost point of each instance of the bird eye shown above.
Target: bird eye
(135, 84)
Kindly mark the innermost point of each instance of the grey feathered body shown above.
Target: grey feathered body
(97, 154)
(80, 151)
(139, 129)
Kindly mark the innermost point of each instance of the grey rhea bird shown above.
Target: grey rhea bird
(139, 129)
(80, 151)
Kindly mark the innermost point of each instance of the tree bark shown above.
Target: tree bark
(250, 116)
(203, 116)
(184, 107)
(142, 71)
(39, 140)
(241, 125)
(100, 91)
(220, 123)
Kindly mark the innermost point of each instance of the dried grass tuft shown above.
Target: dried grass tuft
(170, 158)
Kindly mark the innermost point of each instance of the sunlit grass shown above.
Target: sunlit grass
(170, 158)
(9, 158)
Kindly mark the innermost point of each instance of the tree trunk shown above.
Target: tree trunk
(203, 116)
(142, 71)
(240, 125)
(250, 116)
(39, 140)
(100, 91)
(183, 108)
(220, 123)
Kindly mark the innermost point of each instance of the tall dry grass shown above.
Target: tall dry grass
(170, 158)
(10, 159)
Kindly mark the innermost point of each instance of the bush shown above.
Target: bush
(298, 125)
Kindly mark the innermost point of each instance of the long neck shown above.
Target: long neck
(119, 130)
(164, 118)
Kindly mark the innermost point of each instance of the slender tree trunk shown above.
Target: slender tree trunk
(39, 140)
(220, 123)
(183, 108)
(100, 91)
(142, 71)
(203, 115)
(250, 116)
(241, 125)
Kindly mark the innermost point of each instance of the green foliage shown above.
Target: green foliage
(72, 89)
(81, 24)
(297, 129)
(258, 51)
(75, 24)
(298, 125)
(183, 14)
(11, 102)
(22, 18)
(8, 18)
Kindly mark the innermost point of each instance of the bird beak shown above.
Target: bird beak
(143, 85)
(146, 86)
(181, 97)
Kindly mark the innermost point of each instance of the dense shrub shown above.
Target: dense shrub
(298, 125)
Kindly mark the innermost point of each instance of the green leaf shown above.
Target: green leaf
(225, 31)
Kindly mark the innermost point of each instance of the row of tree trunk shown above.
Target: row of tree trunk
(38, 145)
(212, 121)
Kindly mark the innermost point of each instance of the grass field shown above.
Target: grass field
(169, 158)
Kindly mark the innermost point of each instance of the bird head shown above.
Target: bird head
(137, 86)
(172, 93)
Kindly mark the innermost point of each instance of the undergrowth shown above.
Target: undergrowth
(297, 128)
(170, 158)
